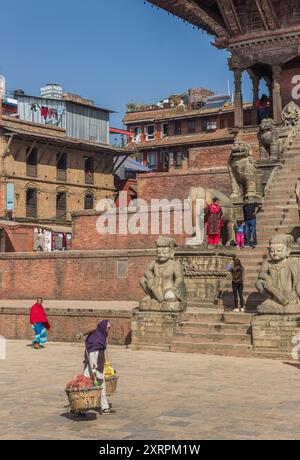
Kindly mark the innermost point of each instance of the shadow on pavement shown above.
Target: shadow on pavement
(297, 365)
(88, 417)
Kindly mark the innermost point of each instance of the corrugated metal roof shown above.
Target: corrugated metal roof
(131, 165)
(217, 102)
(70, 101)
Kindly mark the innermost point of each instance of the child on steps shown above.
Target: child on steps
(239, 229)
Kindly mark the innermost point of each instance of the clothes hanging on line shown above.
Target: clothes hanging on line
(53, 113)
(44, 112)
(35, 107)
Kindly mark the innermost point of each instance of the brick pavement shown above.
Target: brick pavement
(161, 396)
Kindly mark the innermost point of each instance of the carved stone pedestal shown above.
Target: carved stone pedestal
(276, 333)
(148, 304)
(153, 330)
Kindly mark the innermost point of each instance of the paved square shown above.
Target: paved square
(161, 396)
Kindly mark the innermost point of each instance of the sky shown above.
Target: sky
(113, 52)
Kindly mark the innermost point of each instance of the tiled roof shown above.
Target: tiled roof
(55, 135)
(188, 139)
(175, 113)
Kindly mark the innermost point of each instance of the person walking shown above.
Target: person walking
(214, 222)
(250, 211)
(94, 360)
(40, 324)
(237, 272)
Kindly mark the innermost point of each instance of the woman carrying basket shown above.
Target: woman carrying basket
(94, 360)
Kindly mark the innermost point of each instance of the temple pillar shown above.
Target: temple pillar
(238, 100)
(276, 94)
(255, 84)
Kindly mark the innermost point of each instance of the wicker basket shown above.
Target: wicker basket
(83, 400)
(111, 385)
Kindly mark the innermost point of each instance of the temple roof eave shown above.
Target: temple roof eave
(191, 12)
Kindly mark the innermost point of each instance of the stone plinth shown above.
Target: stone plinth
(153, 330)
(205, 275)
(277, 333)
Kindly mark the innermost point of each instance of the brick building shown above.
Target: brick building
(52, 165)
(184, 136)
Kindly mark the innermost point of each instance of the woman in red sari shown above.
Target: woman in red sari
(40, 323)
(214, 222)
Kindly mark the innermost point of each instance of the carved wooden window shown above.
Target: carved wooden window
(89, 170)
(31, 162)
(61, 164)
(165, 129)
(150, 132)
(191, 125)
(31, 203)
(177, 128)
(89, 201)
(61, 205)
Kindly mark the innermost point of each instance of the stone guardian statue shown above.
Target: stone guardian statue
(163, 281)
(279, 278)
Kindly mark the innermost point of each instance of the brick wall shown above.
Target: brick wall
(66, 324)
(249, 135)
(19, 239)
(87, 237)
(74, 275)
(178, 184)
(210, 156)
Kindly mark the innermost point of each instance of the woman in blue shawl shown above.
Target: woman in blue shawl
(94, 360)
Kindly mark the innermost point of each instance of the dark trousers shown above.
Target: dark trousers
(238, 289)
(251, 228)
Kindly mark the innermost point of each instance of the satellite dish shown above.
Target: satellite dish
(2, 87)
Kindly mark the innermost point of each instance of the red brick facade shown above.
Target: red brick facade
(74, 275)
(86, 236)
(178, 184)
(210, 156)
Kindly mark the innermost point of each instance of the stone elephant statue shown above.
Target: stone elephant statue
(204, 196)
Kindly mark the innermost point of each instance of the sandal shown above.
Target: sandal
(108, 411)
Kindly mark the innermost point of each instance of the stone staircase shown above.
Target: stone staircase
(279, 215)
(207, 332)
(201, 331)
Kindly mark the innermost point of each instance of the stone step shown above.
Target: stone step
(190, 326)
(270, 216)
(271, 203)
(201, 317)
(290, 175)
(270, 227)
(292, 161)
(277, 210)
(278, 222)
(273, 217)
(201, 337)
(265, 353)
(145, 347)
(226, 318)
(224, 349)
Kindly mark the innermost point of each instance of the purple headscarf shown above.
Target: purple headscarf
(97, 340)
